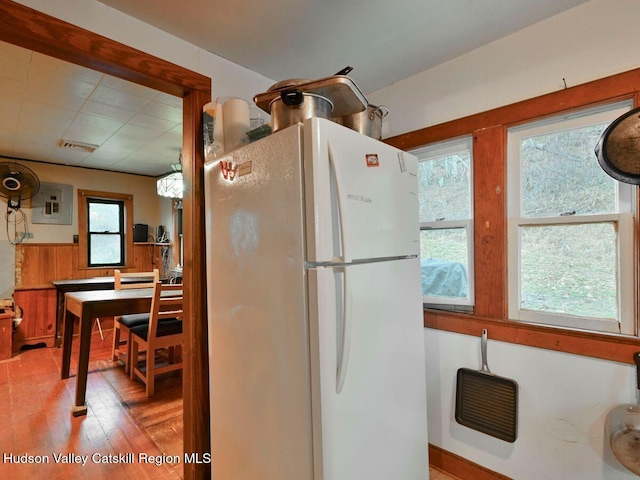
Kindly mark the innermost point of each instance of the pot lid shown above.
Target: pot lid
(340, 90)
(289, 83)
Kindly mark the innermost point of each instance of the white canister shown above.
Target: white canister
(213, 129)
(235, 112)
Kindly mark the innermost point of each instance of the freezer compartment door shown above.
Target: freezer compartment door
(361, 196)
(256, 291)
(368, 372)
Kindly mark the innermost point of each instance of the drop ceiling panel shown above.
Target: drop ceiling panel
(117, 98)
(43, 100)
(122, 115)
(155, 123)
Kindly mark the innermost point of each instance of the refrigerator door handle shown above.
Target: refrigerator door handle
(344, 348)
(346, 258)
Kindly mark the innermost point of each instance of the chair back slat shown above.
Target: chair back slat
(123, 280)
(167, 302)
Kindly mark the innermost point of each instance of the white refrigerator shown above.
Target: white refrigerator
(317, 368)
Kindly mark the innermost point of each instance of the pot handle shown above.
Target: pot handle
(344, 71)
(292, 97)
(381, 110)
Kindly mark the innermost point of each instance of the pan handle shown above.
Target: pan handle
(483, 349)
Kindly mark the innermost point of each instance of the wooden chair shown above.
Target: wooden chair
(121, 350)
(163, 332)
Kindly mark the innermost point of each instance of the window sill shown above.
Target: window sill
(606, 346)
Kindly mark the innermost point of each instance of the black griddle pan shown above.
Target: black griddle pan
(485, 402)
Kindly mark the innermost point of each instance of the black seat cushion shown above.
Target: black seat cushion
(169, 326)
(134, 319)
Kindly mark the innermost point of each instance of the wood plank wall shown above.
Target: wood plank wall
(37, 265)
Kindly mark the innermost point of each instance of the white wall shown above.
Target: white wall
(564, 398)
(146, 207)
(591, 41)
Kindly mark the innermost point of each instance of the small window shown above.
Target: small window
(446, 230)
(105, 229)
(105, 232)
(570, 226)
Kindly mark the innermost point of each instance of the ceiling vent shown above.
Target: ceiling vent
(84, 147)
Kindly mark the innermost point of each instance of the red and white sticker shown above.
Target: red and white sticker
(228, 170)
(372, 160)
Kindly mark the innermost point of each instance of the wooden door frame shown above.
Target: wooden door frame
(34, 30)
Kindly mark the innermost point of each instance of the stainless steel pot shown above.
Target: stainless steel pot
(294, 105)
(622, 429)
(368, 122)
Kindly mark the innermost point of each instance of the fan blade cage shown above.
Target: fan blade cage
(17, 182)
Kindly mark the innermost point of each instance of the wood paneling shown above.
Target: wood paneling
(38, 308)
(6, 333)
(37, 264)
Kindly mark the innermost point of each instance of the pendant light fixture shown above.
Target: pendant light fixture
(170, 185)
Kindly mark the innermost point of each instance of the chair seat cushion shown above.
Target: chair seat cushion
(169, 326)
(134, 319)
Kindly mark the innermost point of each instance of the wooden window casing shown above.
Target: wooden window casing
(83, 244)
(489, 131)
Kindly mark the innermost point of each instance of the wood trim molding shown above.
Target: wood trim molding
(606, 346)
(455, 465)
(34, 30)
(489, 222)
(196, 353)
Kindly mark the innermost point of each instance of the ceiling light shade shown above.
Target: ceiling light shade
(170, 185)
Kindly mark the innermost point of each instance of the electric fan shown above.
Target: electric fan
(17, 183)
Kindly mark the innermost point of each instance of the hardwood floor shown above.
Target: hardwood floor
(36, 420)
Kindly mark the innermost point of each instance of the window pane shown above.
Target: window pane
(569, 269)
(444, 263)
(104, 217)
(105, 250)
(444, 187)
(560, 174)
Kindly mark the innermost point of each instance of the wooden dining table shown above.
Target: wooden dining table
(86, 306)
(78, 285)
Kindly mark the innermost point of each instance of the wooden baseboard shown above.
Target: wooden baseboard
(460, 467)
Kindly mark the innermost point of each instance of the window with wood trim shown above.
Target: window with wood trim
(105, 229)
(571, 232)
(105, 232)
(446, 228)
(490, 220)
